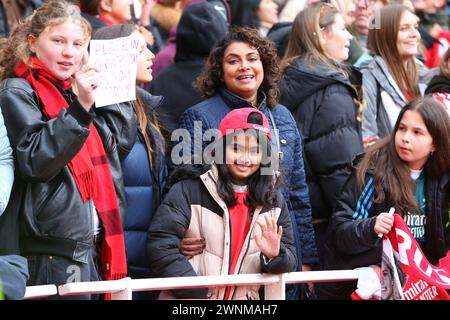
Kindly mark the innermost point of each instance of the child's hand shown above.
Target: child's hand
(269, 239)
(384, 223)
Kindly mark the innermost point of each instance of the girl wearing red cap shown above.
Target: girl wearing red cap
(233, 206)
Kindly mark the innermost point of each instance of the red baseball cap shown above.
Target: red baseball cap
(237, 119)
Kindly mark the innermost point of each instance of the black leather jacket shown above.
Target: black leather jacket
(45, 210)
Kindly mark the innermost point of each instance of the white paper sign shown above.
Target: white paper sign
(116, 60)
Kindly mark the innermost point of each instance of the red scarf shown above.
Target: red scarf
(106, 20)
(89, 168)
(239, 230)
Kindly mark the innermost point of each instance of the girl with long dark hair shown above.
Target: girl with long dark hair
(409, 171)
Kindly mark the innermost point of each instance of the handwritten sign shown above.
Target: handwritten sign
(116, 60)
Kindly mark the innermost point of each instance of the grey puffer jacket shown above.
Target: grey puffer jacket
(380, 91)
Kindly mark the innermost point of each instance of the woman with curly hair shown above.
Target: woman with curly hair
(241, 71)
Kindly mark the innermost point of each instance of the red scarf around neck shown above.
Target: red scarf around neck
(89, 168)
(106, 20)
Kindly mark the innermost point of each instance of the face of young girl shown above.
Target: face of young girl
(144, 60)
(413, 142)
(243, 157)
(60, 48)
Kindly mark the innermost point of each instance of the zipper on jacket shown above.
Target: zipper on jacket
(229, 258)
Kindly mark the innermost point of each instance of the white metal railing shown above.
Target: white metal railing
(274, 283)
(33, 292)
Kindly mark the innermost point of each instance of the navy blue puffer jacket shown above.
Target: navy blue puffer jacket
(143, 191)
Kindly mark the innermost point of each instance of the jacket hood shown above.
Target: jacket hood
(438, 84)
(309, 78)
(200, 27)
(187, 172)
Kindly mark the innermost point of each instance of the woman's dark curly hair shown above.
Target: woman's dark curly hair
(211, 79)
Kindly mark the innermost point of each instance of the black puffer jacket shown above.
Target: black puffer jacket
(438, 84)
(321, 100)
(351, 239)
(45, 210)
(203, 26)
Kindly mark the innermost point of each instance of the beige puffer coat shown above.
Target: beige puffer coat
(204, 219)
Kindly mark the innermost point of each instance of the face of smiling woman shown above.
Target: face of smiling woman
(243, 71)
(408, 36)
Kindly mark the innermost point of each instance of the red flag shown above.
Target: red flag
(418, 279)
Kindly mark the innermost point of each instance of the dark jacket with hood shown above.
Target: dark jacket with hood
(352, 241)
(279, 34)
(143, 189)
(321, 100)
(438, 83)
(193, 45)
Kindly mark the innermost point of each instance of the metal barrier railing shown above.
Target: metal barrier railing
(34, 292)
(274, 283)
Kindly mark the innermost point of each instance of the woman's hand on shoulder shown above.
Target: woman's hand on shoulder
(190, 247)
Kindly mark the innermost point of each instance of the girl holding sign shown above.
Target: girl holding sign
(143, 159)
(409, 171)
(63, 196)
